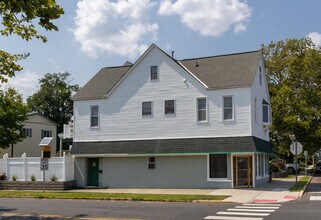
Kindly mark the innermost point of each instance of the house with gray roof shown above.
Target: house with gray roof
(168, 123)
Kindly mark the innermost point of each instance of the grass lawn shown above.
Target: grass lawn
(106, 196)
(300, 184)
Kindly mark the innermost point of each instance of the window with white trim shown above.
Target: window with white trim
(255, 110)
(201, 109)
(151, 163)
(260, 69)
(169, 107)
(146, 108)
(27, 132)
(94, 116)
(217, 166)
(46, 133)
(228, 108)
(153, 72)
(260, 159)
(266, 112)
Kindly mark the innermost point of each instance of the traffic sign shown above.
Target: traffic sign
(299, 148)
(44, 165)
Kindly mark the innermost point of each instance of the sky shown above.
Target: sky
(99, 33)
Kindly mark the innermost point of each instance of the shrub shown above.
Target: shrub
(3, 176)
(14, 178)
(274, 167)
(33, 178)
(53, 178)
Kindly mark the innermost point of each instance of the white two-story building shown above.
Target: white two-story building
(167, 123)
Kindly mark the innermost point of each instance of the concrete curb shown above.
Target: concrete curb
(304, 188)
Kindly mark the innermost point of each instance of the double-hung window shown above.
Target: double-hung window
(218, 166)
(228, 108)
(94, 116)
(27, 132)
(201, 109)
(46, 133)
(153, 72)
(151, 163)
(169, 107)
(266, 111)
(146, 108)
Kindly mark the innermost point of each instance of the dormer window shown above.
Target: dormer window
(153, 73)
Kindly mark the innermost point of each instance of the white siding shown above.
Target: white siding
(121, 114)
(259, 92)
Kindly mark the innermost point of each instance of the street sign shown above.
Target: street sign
(299, 148)
(44, 164)
(46, 150)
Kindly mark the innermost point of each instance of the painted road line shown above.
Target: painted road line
(251, 204)
(252, 210)
(243, 213)
(315, 198)
(255, 207)
(264, 200)
(232, 218)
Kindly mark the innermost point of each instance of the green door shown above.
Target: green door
(93, 171)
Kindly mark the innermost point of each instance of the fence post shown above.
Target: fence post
(24, 158)
(64, 166)
(5, 157)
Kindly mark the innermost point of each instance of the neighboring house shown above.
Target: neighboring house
(167, 123)
(36, 127)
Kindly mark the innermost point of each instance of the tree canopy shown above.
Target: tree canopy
(13, 113)
(53, 98)
(19, 18)
(294, 78)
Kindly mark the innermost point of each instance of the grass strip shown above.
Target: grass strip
(107, 196)
(300, 184)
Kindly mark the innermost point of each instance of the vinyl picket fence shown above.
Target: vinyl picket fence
(25, 167)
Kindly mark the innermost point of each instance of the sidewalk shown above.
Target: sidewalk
(275, 192)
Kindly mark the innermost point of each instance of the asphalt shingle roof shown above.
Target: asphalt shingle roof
(216, 72)
(227, 71)
(98, 86)
(174, 146)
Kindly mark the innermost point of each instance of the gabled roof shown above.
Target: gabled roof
(174, 146)
(98, 86)
(225, 71)
(216, 72)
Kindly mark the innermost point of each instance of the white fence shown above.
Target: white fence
(23, 168)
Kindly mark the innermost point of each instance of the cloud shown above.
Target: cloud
(316, 38)
(209, 17)
(25, 83)
(114, 27)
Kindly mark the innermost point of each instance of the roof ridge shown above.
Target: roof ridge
(110, 67)
(221, 55)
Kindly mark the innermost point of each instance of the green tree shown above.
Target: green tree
(294, 78)
(13, 113)
(18, 18)
(53, 98)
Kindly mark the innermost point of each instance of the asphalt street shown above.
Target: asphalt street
(84, 209)
(307, 208)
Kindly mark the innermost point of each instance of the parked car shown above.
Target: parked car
(291, 167)
(318, 167)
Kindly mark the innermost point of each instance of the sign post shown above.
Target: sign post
(296, 149)
(44, 161)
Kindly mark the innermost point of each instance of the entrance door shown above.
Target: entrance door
(242, 171)
(93, 171)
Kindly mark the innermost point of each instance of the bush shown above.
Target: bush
(3, 177)
(274, 167)
(53, 178)
(14, 178)
(33, 178)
